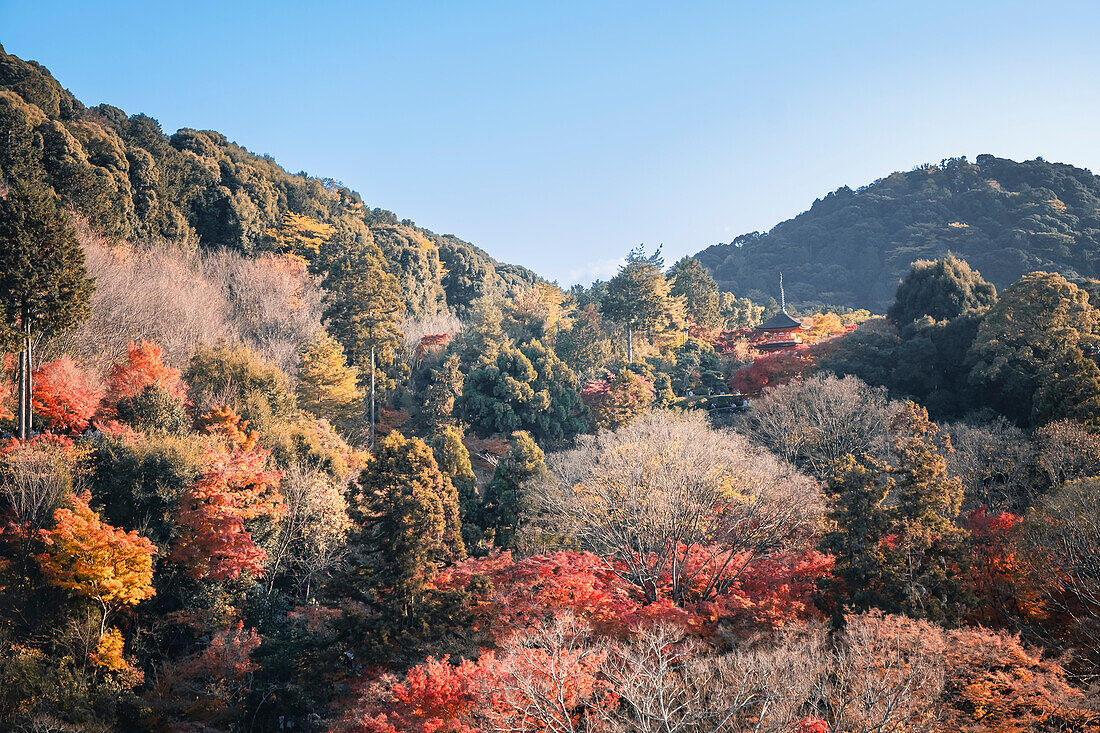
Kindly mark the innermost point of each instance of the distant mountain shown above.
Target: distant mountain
(132, 181)
(1005, 218)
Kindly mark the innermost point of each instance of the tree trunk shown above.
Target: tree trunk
(629, 344)
(372, 397)
(26, 384)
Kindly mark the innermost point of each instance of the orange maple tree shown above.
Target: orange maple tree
(65, 395)
(214, 543)
(91, 558)
(225, 423)
(144, 367)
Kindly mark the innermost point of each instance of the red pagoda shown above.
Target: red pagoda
(780, 331)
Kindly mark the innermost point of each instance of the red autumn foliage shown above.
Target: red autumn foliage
(214, 543)
(65, 395)
(546, 680)
(144, 367)
(998, 576)
(766, 593)
(433, 697)
(207, 688)
(771, 369)
(431, 342)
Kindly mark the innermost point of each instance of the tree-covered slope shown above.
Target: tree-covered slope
(132, 181)
(1003, 217)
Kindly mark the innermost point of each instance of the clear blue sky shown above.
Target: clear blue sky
(559, 135)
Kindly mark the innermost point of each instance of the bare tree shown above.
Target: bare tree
(886, 673)
(669, 683)
(817, 421)
(33, 482)
(179, 296)
(996, 463)
(311, 536)
(667, 489)
(1064, 547)
(1067, 450)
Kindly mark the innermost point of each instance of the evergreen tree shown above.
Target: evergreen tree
(691, 282)
(327, 386)
(896, 539)
(454, 461)
(639, 298)
(942, 290)
(526, 388)
(363, 309)
(44, 287)
(500, 510)
(1040, 322)
(409, 518)
(444, 389)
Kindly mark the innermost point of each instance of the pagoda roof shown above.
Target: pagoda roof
(779, 322)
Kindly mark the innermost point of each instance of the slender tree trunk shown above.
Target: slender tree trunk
(26, 383)
(30, 379)
(372, 397)
(22, 412)
(629, 344)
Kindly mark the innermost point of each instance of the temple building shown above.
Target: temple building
(780, 331)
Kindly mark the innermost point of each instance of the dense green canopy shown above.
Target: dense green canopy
(852, 247)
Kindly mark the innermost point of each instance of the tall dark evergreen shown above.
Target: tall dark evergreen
(44, 286)
(639, 298)
(941, 290)
(363, 310)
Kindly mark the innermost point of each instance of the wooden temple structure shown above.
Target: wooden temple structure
(778, 332)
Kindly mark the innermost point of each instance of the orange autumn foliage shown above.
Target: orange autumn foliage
(225, 423)
(8, 396)
(93, 559)
(998, 574)
(767, 593)
(144, 367)
(214, 543)
(65, 396)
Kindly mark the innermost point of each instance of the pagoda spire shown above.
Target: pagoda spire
(782, 298)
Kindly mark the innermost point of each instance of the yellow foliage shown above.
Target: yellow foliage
(300, 237)
(93, 559)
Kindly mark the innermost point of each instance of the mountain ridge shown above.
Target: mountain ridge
(131, 180)
(850, 248)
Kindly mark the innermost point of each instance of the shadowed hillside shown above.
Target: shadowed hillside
(851, 248)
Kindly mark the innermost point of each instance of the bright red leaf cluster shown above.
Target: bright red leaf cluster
(65, 395)
(214, 543)
(144, 367)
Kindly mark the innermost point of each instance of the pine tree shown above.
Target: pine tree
(44, 287)
(454, 461)
(409, 515)
(500, 509)
(896, 539)
(691, 281)
(363, 310)
(639, 298)
(443, 391)
(327, 386)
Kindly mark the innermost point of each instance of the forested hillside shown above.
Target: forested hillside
(272, 460)
(132, 181)
(851, 248)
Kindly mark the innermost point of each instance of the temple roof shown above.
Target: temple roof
(779, 322)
